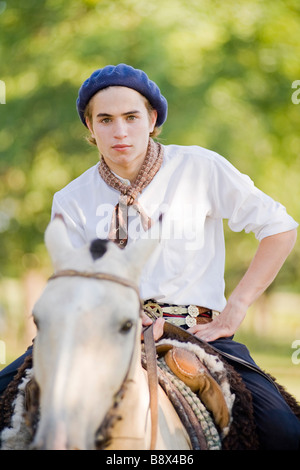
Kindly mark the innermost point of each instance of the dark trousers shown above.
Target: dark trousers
(278, 427)
(7, 374)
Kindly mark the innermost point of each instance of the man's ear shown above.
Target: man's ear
(153, 119)
(90, 126)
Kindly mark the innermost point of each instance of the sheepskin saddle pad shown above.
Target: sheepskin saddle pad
(204, 374)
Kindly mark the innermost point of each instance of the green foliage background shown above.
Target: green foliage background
(226, 68)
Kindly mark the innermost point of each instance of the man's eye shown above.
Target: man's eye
(131, 118)
(105, 120)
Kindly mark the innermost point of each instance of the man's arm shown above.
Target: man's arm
(269, 258)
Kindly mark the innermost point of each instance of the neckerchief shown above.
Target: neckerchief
(129, 193)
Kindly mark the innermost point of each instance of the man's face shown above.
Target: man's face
(121, 124)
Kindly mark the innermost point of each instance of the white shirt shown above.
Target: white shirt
(195, 189)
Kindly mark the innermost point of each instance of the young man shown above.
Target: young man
(136, 181)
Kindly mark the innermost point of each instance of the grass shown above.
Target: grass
(276, 358)
(269, 330)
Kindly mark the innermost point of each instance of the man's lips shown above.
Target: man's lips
(121, 147)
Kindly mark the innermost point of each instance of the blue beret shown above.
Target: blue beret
(122, 75)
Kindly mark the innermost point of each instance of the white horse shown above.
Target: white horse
(87, 363)
(88, 348)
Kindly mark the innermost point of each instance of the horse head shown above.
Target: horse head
(87, 330)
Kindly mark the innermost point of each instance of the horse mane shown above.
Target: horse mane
(9, 395)
(104, 433)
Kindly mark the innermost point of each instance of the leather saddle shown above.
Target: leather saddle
(187, 367)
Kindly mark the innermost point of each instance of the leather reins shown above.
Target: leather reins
(150, 350)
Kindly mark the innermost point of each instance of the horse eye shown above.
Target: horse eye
(127, 325)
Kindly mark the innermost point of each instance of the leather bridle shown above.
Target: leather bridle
(100, 276)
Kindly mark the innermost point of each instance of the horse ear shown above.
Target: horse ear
(57, 241)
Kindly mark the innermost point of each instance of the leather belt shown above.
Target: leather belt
(179, 315)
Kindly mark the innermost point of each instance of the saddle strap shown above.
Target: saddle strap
(150, 353)
(173, 330)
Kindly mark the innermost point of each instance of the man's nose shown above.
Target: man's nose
(120, 129)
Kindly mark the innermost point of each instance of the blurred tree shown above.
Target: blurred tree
(226, 68)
